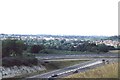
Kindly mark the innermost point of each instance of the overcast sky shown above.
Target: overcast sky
(68, 17)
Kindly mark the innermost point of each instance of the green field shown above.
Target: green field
(53, 51)
(53, 65)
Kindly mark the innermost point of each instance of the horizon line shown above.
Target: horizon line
(55, 34)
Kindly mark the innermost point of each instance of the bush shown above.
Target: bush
(36, 48)
(18, 61)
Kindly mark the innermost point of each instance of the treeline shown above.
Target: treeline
(16, 47)
(71, 45)
(117, 38)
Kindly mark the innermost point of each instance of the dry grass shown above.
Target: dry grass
(107, 71)
(115, 51)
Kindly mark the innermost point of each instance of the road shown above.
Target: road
(95, 61)
(78, 56)
(70, 70)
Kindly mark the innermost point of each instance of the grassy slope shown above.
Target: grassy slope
(53, 51)
(107, 71)
(115, 51)
(52, 65)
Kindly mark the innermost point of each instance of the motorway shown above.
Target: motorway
(77, 56)
(94, 62)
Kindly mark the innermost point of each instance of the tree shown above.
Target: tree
(111, 47)
(103, 48)
(36, 48)
(12, 47)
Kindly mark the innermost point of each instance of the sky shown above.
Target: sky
(59, 17)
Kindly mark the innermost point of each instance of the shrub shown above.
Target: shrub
(18, 61)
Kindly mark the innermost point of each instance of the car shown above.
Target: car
(107, 62)
(46, 62)
(103, 61)
(76, 71)
(54, 75)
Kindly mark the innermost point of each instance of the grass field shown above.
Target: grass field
(107, 71)
(53, 51)
(115, 51)
(53, 65)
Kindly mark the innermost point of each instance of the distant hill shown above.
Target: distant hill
(57, 36)
(114, 38)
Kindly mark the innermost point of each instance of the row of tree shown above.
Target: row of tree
(16, 47)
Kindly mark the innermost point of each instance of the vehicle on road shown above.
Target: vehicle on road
(54, 75)
(103, 61)
(75, 71)
(107, 62)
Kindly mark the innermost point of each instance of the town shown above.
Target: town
(35, 39)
